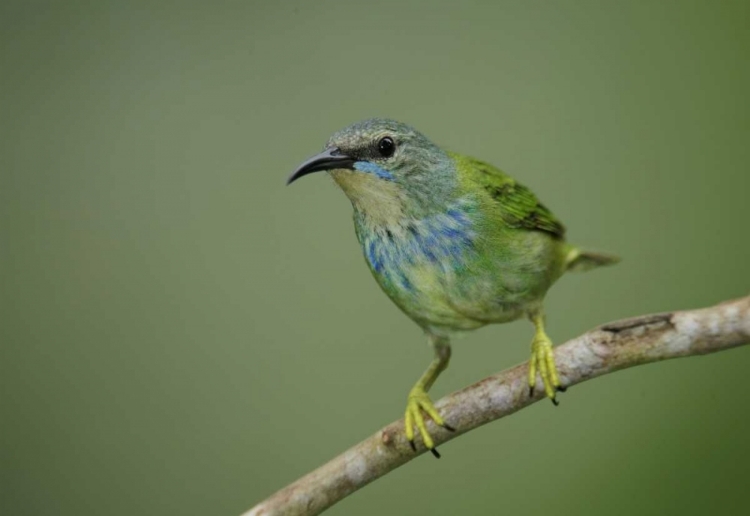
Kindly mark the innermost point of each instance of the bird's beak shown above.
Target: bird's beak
(330, 159)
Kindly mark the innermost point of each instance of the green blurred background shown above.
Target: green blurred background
(182, 334)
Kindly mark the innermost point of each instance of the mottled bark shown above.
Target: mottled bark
(606, 349)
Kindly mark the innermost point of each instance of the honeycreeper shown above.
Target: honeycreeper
(453, 241)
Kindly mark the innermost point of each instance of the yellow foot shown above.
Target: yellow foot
(416, 403)
(543, 360)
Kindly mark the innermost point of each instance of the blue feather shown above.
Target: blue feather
(372, 168)
(372, 256)
(445, 240)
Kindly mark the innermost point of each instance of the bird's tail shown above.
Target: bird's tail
(581, 261)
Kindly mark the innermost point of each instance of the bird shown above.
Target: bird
(453, 241)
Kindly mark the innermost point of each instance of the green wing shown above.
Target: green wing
(517, 205)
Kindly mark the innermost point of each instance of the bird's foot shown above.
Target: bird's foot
(418, 403)
(543, 360)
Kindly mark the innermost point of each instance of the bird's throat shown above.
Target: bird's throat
(381, 202)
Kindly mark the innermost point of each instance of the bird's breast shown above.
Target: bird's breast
(416, 261)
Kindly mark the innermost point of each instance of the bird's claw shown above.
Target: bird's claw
(543, 360)
(418, 404)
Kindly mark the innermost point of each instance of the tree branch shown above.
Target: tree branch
(606, 349)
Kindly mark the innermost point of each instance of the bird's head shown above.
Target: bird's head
(385, 168)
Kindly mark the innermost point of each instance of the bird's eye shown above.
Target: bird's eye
(386, 147)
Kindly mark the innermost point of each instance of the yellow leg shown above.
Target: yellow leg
(543, 360)
(418, 401)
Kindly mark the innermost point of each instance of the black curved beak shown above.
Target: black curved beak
(329, 159)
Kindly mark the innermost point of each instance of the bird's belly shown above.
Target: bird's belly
(486, 298)
(423, 293)
(442, 299)
(440, 295)
(444, 276)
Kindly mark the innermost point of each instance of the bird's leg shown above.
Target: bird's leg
(543, 360)
(419, 402)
